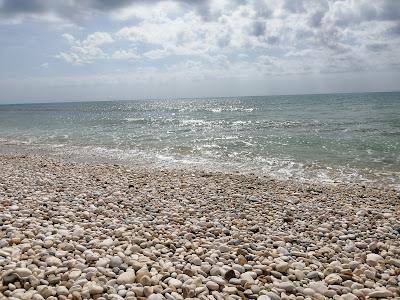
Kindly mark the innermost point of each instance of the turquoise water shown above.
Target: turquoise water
(332, 137)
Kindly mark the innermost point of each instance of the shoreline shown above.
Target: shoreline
(78, 155)
(73, 230)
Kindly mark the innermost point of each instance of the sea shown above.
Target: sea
(324, 138)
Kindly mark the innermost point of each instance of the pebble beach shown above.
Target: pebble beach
(71, 230)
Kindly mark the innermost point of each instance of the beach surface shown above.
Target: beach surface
(70, 230)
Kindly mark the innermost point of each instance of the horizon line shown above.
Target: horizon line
(187, 98)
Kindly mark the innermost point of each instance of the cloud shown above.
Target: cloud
(376, 47)
(45, 65)
(125, 55)
(257, 28)
(85, 51)
(278, 37)
(15, 11)
(294, 6)
(20, 6)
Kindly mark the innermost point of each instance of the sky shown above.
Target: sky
(78, 50)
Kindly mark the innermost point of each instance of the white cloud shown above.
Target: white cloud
(144, 11)
(304, 37)
(157, 53)
(97, 39)
(87, 50)
(125, 55)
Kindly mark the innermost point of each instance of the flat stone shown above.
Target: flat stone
(373, 259)
(74, 274)
(155, 297)
(217, 279)
(23, 272)
(333, 279)
(37, 297)
(224, 248)
(384, 293)
(349, 296)
(231, 290)
(115, 261)
(283, 251)
(212, 286)
(319, 287)
(247, 277)
(62, 290)
(263, 297)
(272, 295)
(53, 261)
(282, 267)
(106, 243)
(94, 288)
(175, 283)
(126, 277)
(287, 286)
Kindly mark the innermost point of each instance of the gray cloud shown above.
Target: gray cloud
(315, 20)
(11, 7)
(262, 10)
(294, 6)
(385, 10)
(388, 10)
(273, 40)
(257, 28)
(107, 5)
(391, 10)
(376, 47)
(394, 30)
(224, 41)
(74, 9)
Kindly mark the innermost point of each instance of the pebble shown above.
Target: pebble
(175, 283)
(155, 297)
(382, 293)
(287, 286)
(94, 288)
(263, 297)
(74, 274)
(211, 285)
(374, 259)
(333, 279)
(230, 290)
(319, 287)
(23, 272)
(282, 267)
(53, 261)
(115, 261)
(126, 277)
(110, 232)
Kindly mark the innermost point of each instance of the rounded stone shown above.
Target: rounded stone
(373, 259)
(155, 297)
(333, 279)
(23, 272)
(263, 297)
(115, 261)
(126, 277)
(53, 261)
(212, 286)
(175, 283)
(94, 289)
